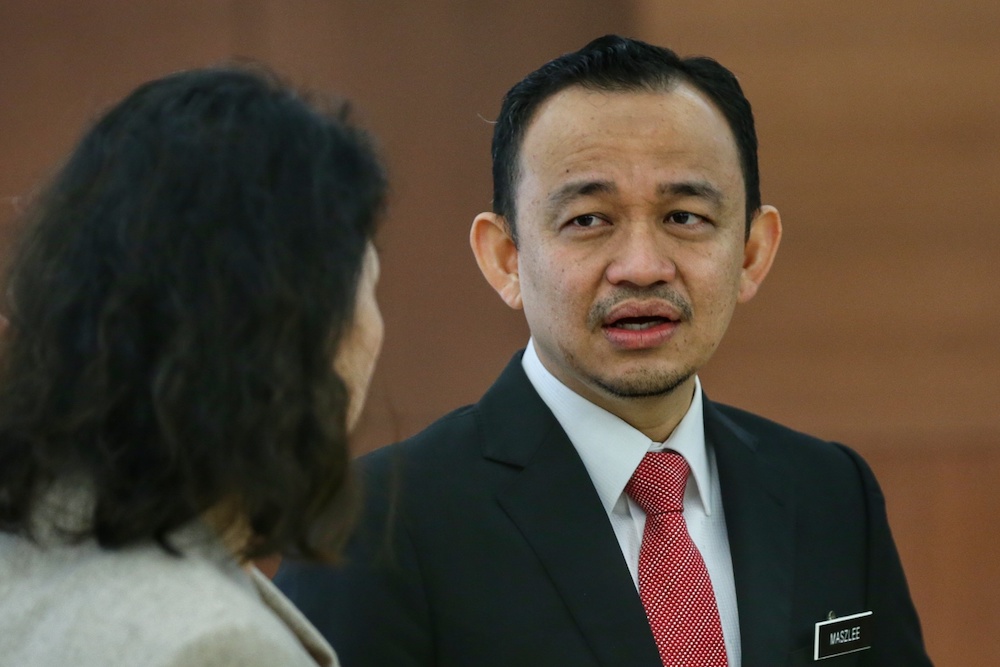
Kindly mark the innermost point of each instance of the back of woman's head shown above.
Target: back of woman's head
(175, 305)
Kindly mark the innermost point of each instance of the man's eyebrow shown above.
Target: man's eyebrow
(699, 189)
(570, 191)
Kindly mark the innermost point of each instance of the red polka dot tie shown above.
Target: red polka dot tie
(673, 581)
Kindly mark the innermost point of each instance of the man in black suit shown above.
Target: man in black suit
(627, 225)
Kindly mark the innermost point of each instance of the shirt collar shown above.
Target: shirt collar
(611, 449)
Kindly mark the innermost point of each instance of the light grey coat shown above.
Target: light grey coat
(83, 606)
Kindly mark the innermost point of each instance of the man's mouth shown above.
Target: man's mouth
(639, 323)
(632, 329)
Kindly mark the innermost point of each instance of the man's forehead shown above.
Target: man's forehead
(581, 100)
(577, 114)
(580, 126)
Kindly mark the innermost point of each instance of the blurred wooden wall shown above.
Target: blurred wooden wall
(879, 143)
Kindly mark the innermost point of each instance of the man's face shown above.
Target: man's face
(631, 222)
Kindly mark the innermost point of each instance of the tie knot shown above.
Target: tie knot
(658, 484)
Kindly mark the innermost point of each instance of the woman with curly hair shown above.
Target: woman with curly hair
(192, 329)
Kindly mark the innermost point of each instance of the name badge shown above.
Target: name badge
(848, 634)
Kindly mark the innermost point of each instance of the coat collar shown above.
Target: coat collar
(310, 638)
(198, 540)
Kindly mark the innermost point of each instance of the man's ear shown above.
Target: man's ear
(496, 255)
(759, 251)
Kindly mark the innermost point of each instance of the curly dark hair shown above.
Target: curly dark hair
(175, 304)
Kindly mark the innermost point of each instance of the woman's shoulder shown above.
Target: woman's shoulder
(138, 605)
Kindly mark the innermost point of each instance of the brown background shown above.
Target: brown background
(880, 143)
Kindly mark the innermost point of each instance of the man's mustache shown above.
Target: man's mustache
(600, 310)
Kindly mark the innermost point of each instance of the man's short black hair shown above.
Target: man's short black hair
(618, 64)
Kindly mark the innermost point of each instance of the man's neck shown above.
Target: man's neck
(655, 416)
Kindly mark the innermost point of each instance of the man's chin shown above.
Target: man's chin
(644, 384)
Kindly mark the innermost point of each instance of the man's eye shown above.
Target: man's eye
(586, 221)
(684, 218)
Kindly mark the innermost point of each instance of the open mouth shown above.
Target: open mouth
(639, 323)
(639, 327)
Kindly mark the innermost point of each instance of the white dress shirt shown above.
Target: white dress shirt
(611, 450)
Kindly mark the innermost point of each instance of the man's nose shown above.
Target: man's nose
(641, 257)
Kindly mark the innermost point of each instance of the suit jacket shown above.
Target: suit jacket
(79, 605)
(485, 543)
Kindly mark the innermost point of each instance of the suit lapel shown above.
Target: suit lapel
(555, 506)
(759, 509)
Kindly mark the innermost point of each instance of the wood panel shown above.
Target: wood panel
(943, 506)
